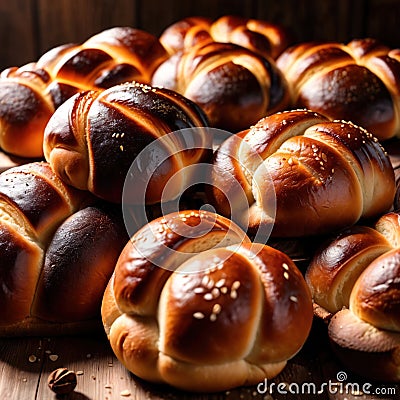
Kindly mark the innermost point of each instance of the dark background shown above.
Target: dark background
(30, 27)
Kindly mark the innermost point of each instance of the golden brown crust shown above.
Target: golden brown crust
(93, 139)
(260, 36)
(30, 94)
(357, 82)
(57, 253)
(211, 318)
(317, 175)
(355, 278)
(234, 86)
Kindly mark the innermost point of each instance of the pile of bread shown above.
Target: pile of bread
(194, 298)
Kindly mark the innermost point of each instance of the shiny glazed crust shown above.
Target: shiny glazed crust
(57, 253)
(317, 175)
(355, 277)
(357, 82)
(209, 316)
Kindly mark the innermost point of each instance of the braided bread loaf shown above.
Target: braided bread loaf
(357, 82)
(317, 175)
(29, 95)
(354, 280)
(92, 140)
(262, 37)
(234, 86)
(194, 304)
(57, 252)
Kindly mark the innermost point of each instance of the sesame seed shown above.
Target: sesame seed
(205, 280)
(333, 170)
(233, 294)
(216, 309)
(293, 298)
(121, 147)
(53, 357)
(324, 157)
(198, 315)
(213, 317)
(220, 283)
(285, 266)
(208, 297)
(224, 290)
(290, 161)
(286, 275)
(215, 292)
(199, 290)
(235, 285)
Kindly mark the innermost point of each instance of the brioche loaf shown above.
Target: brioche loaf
(194, 304)
(302, 173)
(355, 279)
(263, 37)
(30, 94)
(233, 85)
(57, 252)
(357, 82)
(92, 140)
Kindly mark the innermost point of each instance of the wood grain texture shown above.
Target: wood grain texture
(30, 27)
(63, 21)
(102, 377)
(17, 35)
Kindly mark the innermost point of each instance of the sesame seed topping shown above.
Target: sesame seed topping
(198, 315)
(215, 292)
(324, 157)
(235, 285)
(121, 147)
(213, 317)
(290, 161)
(199, 290)
(220, 283)
(293, 298)
(285, 266)
(224, 290)
(208, 297)
(217, 308)
(286, 275)
(233, 294)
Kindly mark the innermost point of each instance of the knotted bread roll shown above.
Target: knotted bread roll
(92, 140)
(194, 304)
(354, 280)
(30, 94)
(357, 82)
(263, 37)
(57, 252)
(233, 85)
(301, 173)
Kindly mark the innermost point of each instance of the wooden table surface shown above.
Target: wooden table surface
(25, 364)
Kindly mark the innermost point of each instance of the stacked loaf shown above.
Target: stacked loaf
(193, 303)
(354, 279)
(58, 250)
(302, 175)
(357, 82)
(30, 94)
(226, 67)
(189, 300)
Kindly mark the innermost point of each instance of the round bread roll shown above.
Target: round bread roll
(93, 139)
(233, 85)
(357, 82)
(194, 304)
(355, 278)
(260, 36)
(301, 173)
(29, 95)
(57, 252)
